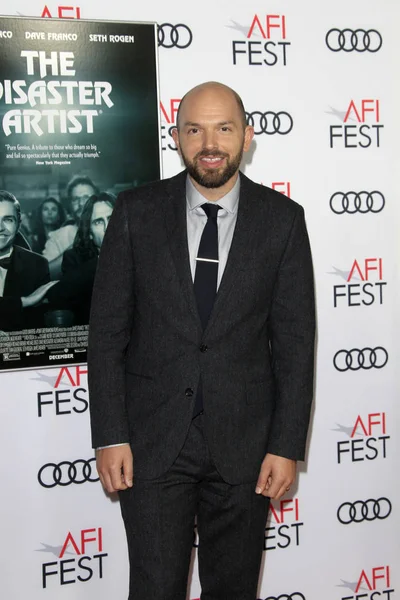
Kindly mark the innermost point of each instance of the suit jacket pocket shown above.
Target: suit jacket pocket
(143, 396)
(139, 375)
(259, 392)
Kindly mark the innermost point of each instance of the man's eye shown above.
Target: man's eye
(193, 130)
(97, 222)
(9, 219)
(226, 128)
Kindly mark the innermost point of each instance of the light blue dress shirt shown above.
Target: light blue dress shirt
(196, 220)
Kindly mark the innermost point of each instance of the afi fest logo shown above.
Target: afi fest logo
(69, 393)
(367, 439)
(361, 125)
(372, 584)
(168, 111)
(283, 526)
(364, 284)
(283, 187)
(266, 43)
(87, 562)
(62, 12)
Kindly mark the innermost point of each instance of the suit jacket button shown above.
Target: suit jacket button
(203, 348)
(189, 392)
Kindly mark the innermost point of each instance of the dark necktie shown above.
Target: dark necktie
(206, 277)
(5, 262)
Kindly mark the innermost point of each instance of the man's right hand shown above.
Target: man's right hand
(38, 295)
(115, 467)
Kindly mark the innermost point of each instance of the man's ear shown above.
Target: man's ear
(248, 137)
(175, 137)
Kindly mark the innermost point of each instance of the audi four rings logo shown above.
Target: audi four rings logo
(270, 122)
(294, 596)
(174, 36)
(67, 472)
(364, 510)
(357, 202)
(355, 359)
(350, 40)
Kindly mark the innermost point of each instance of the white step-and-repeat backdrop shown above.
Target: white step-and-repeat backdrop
(320, 85)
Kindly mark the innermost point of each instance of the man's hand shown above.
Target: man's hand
(276, 476)
(38, 295)
(115, 467)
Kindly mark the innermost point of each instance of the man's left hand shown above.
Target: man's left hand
(276, 476)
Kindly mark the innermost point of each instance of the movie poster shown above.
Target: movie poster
(79, 123)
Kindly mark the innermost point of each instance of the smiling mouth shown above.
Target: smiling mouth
(211, 161)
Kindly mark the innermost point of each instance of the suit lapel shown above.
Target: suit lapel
(176, 225)
(238, 261)
(238, 257)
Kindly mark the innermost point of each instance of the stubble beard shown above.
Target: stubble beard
(212, 178)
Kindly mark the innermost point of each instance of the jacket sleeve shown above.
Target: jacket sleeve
(74, 286)
(292, 331)
(11, 313)
(109, 332)
(43, 272)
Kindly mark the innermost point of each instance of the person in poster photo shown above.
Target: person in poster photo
(24, 275)
(201, 358)
(50, 215)
(79, 190)
(74, 289)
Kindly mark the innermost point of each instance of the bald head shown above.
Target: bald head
(207, 90)
(211, 136)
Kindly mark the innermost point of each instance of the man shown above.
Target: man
(201, 358)
(79, 190)
(24, 275)
(74, 290)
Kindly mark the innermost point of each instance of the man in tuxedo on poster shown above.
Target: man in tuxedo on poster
(24, 275)
(201, 356)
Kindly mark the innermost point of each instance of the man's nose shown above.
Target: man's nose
(210, 139)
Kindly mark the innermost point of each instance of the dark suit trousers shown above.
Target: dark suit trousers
(159, 517)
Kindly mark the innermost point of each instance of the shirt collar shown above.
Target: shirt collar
(229, 202)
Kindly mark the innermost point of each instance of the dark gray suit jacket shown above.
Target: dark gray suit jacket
(145, 334)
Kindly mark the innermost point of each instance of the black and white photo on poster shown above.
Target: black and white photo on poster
(79, 123)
